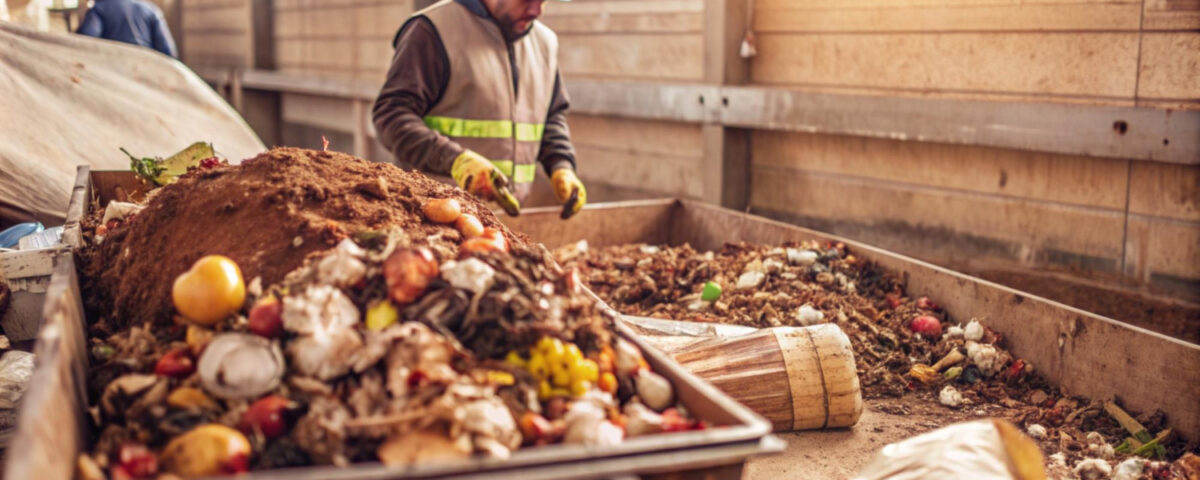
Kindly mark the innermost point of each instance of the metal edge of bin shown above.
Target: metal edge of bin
(41, 451)
(1082, 352)
(39, 264)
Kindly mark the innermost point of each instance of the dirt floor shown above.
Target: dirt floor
(1176, 319)
(841, 453)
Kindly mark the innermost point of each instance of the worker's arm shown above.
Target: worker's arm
(557, 155)
(556, 151)
(161, 35)
(419, 73)
(92, 25)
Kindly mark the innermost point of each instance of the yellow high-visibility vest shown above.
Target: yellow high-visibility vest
(479, 109)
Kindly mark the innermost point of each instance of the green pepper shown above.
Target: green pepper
(711, 292)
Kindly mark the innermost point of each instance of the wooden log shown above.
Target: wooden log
(799, 378)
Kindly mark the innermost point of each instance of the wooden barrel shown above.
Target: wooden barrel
(799, 378)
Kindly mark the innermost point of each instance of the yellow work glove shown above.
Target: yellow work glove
(569, 191)
(478, 176)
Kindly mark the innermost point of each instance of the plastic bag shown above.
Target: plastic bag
(988, 449)
(16, 368)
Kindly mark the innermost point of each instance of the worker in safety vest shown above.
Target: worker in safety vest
(474, 93)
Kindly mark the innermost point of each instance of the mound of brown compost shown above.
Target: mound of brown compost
(267, 214)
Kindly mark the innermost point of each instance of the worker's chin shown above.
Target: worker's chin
(519, 29)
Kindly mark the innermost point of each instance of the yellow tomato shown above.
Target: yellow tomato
(580, 387)
(211, 449)
(585, 370)
(537, 366)
(212, 290)
(572, 354)
(560, 377)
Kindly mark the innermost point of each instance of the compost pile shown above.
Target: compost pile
(268, 215)
(404, 331)
(910, 354)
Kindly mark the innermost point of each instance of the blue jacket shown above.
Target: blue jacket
(130, 21)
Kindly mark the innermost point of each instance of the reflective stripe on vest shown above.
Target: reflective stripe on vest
(463, 127)
(524, 173)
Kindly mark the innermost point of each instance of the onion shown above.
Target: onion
(240, 365)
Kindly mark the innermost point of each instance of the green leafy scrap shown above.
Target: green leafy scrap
(161, 171)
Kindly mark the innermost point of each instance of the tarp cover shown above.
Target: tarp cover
(69, 100)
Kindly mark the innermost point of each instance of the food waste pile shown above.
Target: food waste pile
(312, 308)
(912, 357)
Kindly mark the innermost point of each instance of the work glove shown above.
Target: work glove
(478, 176)
(569, 191)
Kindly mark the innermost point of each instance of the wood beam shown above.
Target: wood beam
(726, 150)
(1135, 133)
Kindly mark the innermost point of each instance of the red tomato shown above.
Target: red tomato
(176, 363)
(266, 318)
(267, 415)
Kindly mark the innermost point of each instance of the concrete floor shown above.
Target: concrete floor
(842, 453)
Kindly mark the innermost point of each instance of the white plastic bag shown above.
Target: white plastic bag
(988, 449)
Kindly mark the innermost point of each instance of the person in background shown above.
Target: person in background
(474, 93)
(131, 21)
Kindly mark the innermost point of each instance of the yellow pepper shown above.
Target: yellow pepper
(513, 358)
(500, 378)
(381, 315)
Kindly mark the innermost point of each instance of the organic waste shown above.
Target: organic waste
(911, 354)
(162, 171)
(395, 338)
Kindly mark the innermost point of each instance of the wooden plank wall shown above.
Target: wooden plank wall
(644, 41)
(1130, 221)
(217, 33)
(1121, 52)
(343, 39)
(349, 40)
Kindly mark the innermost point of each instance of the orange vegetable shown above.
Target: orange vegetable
(442, 210)
(408, 273)
(469, 226)
(608, 382)
(210, 291)
(534, 427)
(480, 244)
(495, 236)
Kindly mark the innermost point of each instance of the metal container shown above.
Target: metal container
(53, 425)
(1084, 353)
(27, 273)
